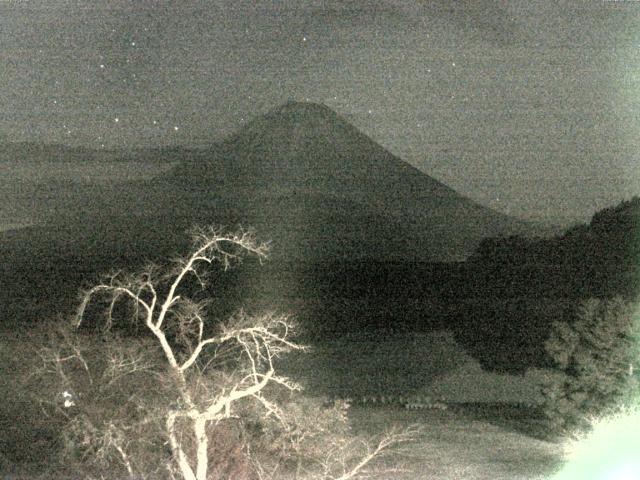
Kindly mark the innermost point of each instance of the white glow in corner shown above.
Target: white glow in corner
(611, 451)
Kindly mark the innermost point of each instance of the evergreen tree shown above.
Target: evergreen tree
(598, 359)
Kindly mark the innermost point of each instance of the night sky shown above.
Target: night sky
(529, 107)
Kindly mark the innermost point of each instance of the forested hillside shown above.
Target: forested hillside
(599, 259)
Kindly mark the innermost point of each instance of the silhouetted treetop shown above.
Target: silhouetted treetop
(599, 258)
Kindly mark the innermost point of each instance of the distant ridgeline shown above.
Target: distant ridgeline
(601, 259)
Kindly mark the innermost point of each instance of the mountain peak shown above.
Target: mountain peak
(299, 116)
(296, 106)
(305, 113)
(308, 178)
(300, 136)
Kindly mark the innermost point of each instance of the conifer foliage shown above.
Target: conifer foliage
(597, 359)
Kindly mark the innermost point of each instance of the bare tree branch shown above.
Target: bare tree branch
(195, 396)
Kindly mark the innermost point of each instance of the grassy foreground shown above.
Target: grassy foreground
(472, 441)
(455, 444)
(462, 444)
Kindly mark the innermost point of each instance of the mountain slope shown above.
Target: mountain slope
(305, 179)
(303, 166)
(301, 175)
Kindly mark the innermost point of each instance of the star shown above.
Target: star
(116, 119)
(175, 128)
(102, 65)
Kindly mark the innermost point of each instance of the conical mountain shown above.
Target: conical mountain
(307, 145)
(302, 176)
(305, 177)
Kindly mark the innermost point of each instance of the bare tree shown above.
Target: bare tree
(200, 389)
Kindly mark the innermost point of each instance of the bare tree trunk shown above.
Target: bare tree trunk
(202, 442)
(260, 339)
(176, 449)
